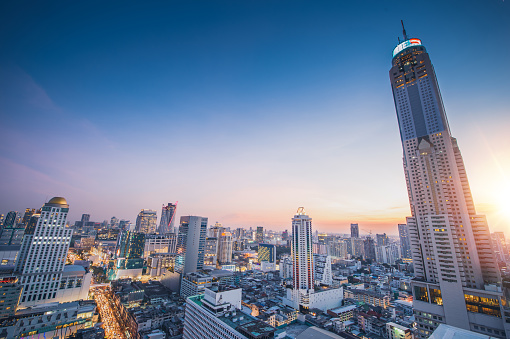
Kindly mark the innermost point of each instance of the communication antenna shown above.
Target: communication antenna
(404, 30)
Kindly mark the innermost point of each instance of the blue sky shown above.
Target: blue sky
(241, 110)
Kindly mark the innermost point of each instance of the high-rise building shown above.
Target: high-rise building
(382, 239)
(191, 244)
(146, 221)
(259, 236)
(28, 214)
(322, 269)
(43, 254)
(405, 246)
(457, 280)
(167, 221)
(303, 296)
(160, 243)
(225, 248)
(128, 256)
(211, 251)
(369, 248)
(267, 253)
(354, 231)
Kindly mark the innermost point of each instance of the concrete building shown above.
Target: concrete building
(354, 231)
(167, 221)
(41, 260)
(225, 248)
(457, 279)
(191, 244)
(323, 272)
(211, 251)
(405, 245)
(159, 263)
(10, 292)
(266, 253)
(302, 296)
(217, 315)
(146, 222)
(195, 283)
(259, 235)
(51, 320)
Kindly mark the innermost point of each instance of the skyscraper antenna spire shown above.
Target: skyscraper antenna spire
(404, 30)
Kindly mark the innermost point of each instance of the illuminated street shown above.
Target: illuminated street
(109, 314)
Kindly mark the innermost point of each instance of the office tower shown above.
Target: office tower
(191, 244)
(369, 248)
(382, 239)
(43, 254)
(302, 296)
(211, 251)
(130, 245)
(259, 236)
(358, 247)
(146, 221)
(354, 231)
(167, 222)
(129, 260)
(405, 246)
(10, 219)
(114, 222)
(456, 275)
(240, 233)
(225, 248)
(387, 254)
(85, 218)
(28, 214)
(267, 253)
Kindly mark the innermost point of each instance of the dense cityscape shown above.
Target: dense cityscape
(162, 274)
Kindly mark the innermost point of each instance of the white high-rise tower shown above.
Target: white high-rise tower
(43, 254)
(457, 280)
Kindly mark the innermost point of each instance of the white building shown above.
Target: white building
(323, 272)
(396, 331)
(225, 248)
(43, 254)
(218, 315)
(457, 279)
(195, 283)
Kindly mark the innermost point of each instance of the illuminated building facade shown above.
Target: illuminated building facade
(457, 280)
(43, 254)
(146, 221)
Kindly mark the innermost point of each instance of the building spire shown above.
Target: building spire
(404, 30)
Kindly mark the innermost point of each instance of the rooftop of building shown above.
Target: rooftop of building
(452, 332)
(344, 309)
(315, 332)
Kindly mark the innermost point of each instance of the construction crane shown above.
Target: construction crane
(368, 231)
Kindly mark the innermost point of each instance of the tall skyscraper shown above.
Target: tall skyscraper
(259, 236)
(191, 244)
(457, 280)
(354, 231)
(405, 246)
(146, 221)
(167, 221)
(369, 248)
(303, 295)
(43, 254)
(382, 239)
(225, 248)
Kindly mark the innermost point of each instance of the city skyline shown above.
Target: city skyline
(285, 70)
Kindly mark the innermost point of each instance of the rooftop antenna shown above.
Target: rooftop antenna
(404, 30)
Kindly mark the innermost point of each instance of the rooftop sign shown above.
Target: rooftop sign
(406, 44)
